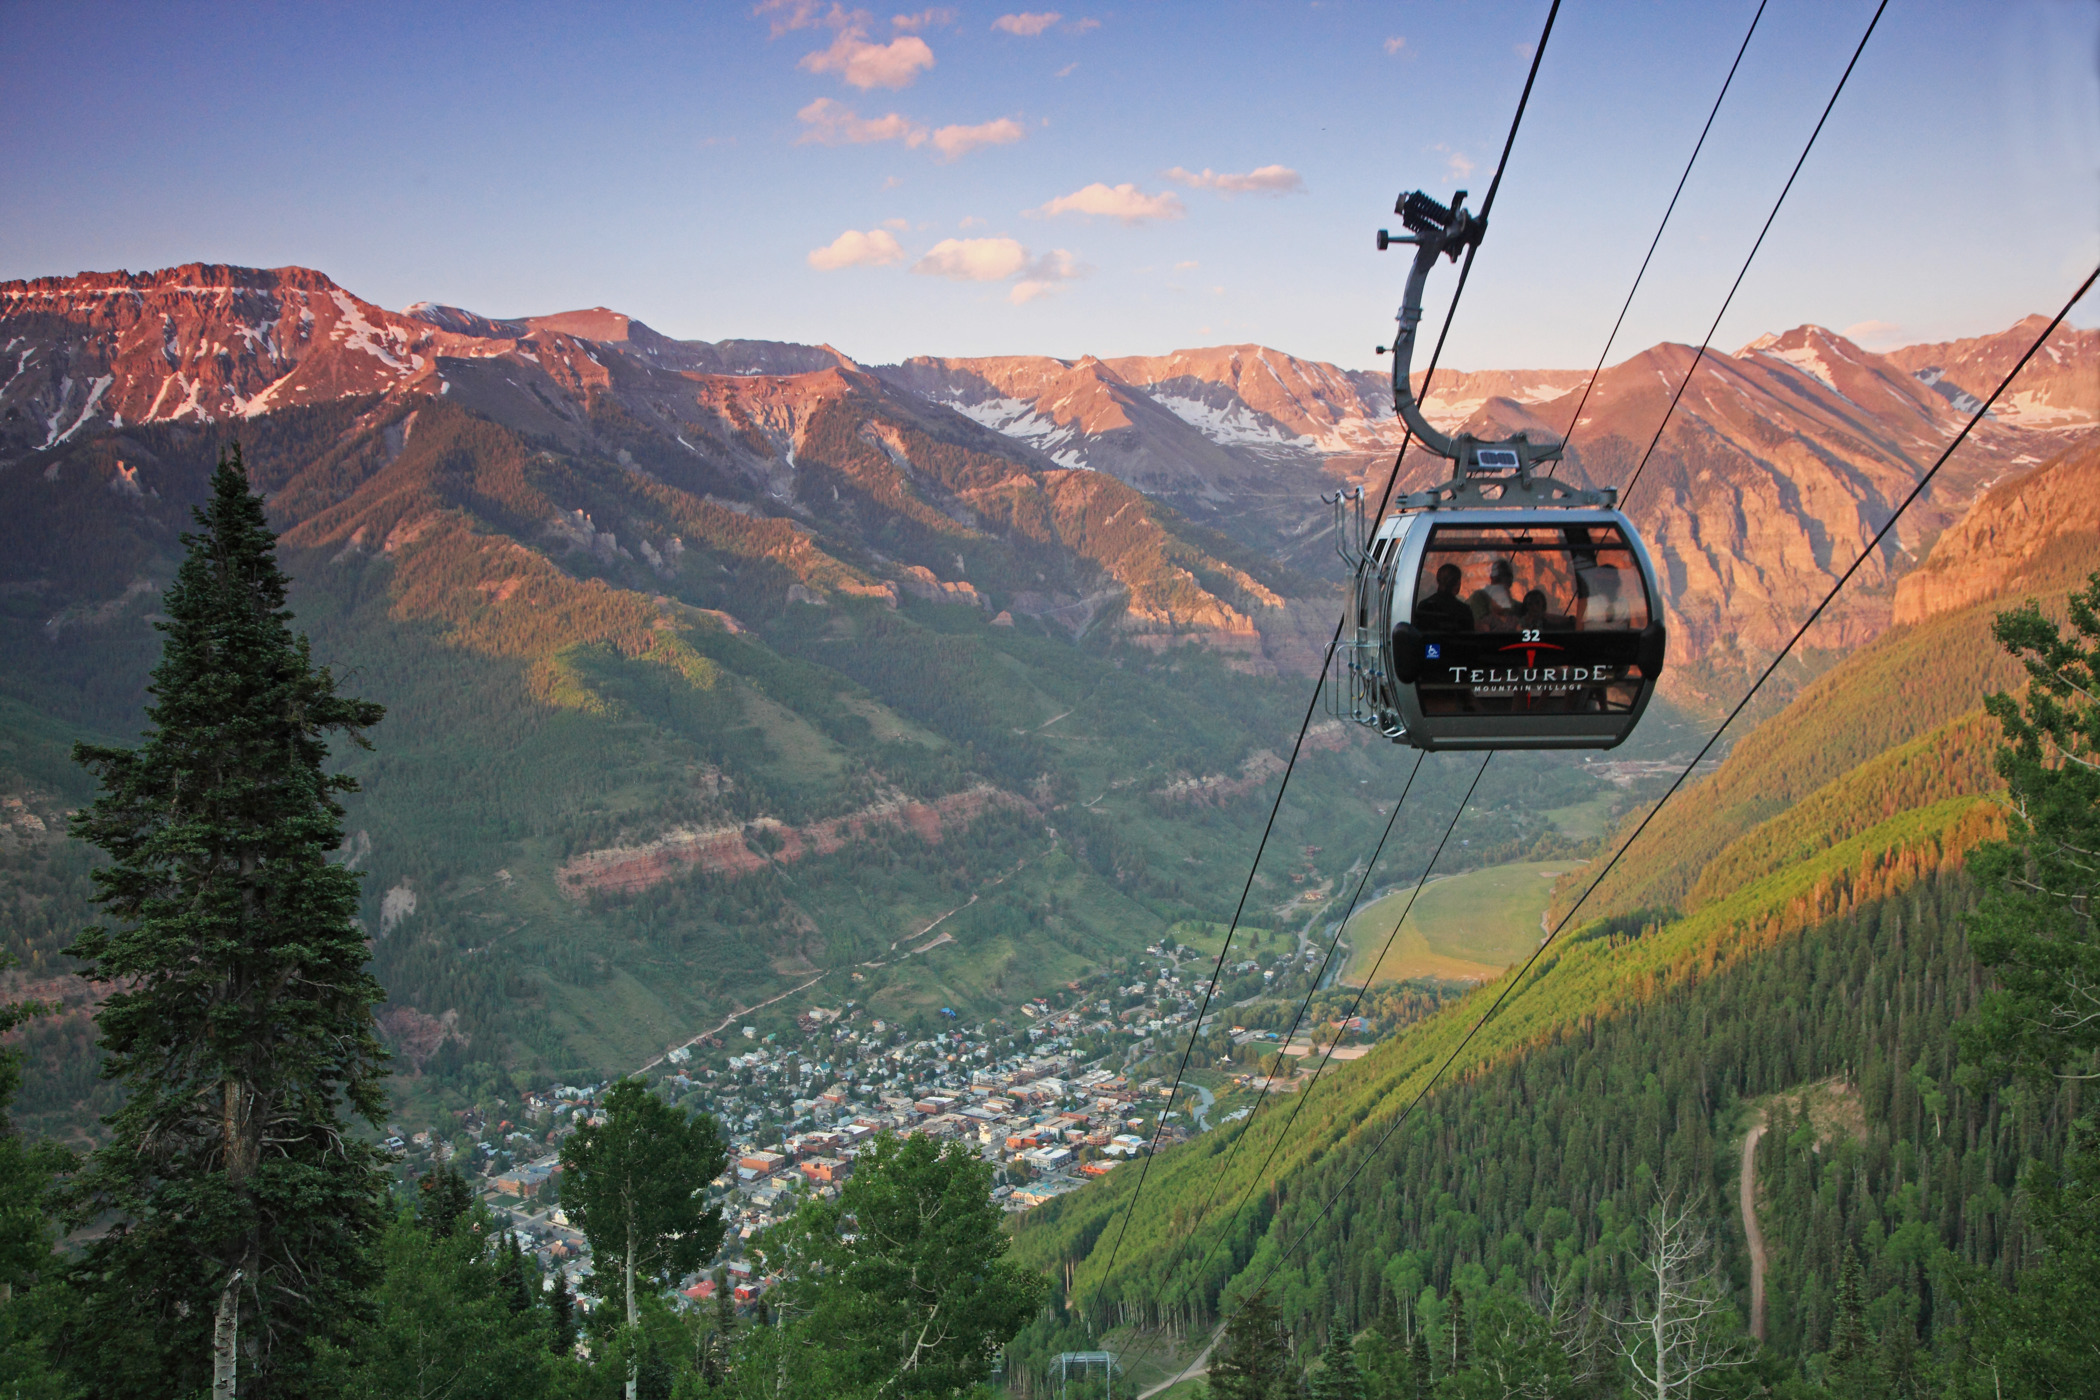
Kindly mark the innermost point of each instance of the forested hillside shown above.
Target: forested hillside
(1939, 659)
(1780, 960)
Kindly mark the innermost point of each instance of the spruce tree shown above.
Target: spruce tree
(2036, 933)
(1848, 1328)
(561, 1309)
(515, 1274)
(241, 1208)
(1418, 1363)
(1339, 1377)
(443, 1199)
(1254, 1363)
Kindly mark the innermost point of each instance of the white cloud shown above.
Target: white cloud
(954, 141)
(1081, 26)
(1126, 202)
(971, 221)
(875, 248)
(1395, 44)
(1876, 335)
(1027, 25)
(835, 124)
(869, 65)
(1456, 163)
(898, 224)
(832, 123)
(973, 259)
(1067, 71)
(924, 19)
(1268, 179)
(1041, 277)
(1186, 266)
(809, 14)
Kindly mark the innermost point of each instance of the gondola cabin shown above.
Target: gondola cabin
(1504, 608)
(1508, 629)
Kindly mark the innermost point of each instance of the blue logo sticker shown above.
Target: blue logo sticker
(1435, 651)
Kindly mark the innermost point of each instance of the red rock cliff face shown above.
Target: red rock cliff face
(2007, 534)
(739, 850)
(207, 343)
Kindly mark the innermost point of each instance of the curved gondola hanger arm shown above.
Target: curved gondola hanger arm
(1484, 473)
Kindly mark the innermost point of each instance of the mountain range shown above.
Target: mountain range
(1778, 464)
(716, 668)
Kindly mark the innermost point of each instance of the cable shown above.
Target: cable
(1514, 985)
(1303, 1006)
(1354, 1007)
(1737, 285)
(1487, 204)
(1160, 1124)
(1576, 418)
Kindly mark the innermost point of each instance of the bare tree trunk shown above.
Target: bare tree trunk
(634, 1362)
(1678, 1324)
(225, 1338)
(235, 1161)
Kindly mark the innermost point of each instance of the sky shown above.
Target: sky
(1097, 179)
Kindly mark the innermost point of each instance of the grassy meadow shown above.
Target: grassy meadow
(1463, 927)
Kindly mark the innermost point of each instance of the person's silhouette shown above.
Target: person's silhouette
(1444, 610)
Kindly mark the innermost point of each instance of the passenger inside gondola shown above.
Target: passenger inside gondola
(1495, 607)
(1444, 610)
(1600, 601)
(1536, 618)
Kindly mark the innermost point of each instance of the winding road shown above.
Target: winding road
(1746, 1192)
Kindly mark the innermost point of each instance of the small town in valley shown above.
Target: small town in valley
(1053, 1094)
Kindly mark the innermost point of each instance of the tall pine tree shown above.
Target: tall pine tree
(1339, 1377)
(242, 1209)
(1254, 1361)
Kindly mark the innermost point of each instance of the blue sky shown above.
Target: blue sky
(683, 162)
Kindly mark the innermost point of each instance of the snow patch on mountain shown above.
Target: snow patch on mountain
(360, 334)
(1018, 419)
(1233, 425)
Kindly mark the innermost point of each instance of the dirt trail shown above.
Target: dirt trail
(717, 1028)
(1199, 1367)
(1747, 1194)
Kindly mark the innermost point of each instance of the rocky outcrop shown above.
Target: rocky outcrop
(741, 850)
(2006, 535)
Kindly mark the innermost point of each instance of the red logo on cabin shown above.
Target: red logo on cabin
(1531, 651)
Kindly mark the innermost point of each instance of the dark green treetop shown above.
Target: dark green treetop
(636, 1185)
(241, 1025)
(1253, 1362)
(1339, 1377)
(443, 1200)
(2034, 929)
(900, 1286)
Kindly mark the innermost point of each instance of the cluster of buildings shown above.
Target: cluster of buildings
(1042, 1095)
